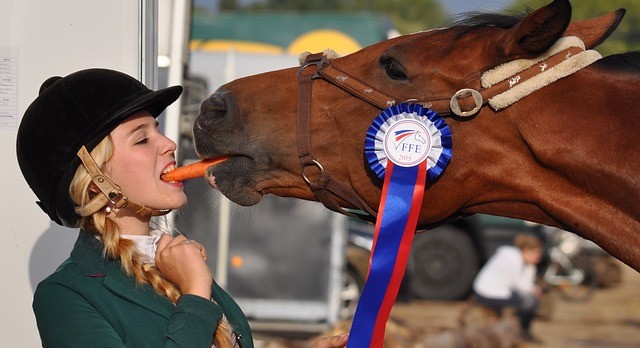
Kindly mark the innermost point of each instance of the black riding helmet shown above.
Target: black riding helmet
(69, 112)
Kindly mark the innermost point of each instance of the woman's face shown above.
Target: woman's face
(532, 256)
(140, 154)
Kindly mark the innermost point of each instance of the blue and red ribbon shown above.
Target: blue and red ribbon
(400, 205)
(398, 212)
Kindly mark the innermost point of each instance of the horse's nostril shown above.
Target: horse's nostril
(212, 108)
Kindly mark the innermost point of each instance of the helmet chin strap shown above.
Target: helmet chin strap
(109, 192)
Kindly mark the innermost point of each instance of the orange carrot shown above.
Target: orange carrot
(192, 170)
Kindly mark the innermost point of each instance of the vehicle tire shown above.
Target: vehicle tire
(445, 263)
(351, 289)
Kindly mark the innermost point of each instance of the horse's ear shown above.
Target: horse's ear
(594, 31)
(538, 31)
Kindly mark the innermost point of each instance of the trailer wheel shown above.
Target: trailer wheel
(351, 290)
(445, 263)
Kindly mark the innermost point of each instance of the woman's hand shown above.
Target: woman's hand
(338, 341)
(182, 261)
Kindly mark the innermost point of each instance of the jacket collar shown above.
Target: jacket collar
(87, 254)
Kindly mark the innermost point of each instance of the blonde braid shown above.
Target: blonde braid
(123, 249)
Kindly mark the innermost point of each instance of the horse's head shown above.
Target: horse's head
(254, 119)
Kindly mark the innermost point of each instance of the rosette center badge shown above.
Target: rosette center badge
(407, 143)
(407, 135)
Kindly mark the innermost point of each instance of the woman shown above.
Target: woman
(90, 149)
(508, 280)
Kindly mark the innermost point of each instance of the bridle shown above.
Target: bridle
(326, 188)
(463, 103)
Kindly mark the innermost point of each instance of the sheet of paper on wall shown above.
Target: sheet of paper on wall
(8, 88)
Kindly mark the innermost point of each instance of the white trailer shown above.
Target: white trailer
(283, 260)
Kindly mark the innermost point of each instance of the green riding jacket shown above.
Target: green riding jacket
(90, 302)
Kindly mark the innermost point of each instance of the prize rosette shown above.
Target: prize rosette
(408, 134)
(406, 146)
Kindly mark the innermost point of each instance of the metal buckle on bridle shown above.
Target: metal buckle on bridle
(313, 163)
(318, 60)
(118, 199)
(465, 92)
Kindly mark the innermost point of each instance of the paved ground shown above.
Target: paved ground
(611, 319)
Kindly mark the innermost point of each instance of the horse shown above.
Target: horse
(564, 152)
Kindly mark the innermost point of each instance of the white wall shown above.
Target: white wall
(46, 38)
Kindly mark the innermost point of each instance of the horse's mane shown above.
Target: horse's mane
(473, 20)
(629, 61)
(470, 21)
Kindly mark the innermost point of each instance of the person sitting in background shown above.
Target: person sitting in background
(508, 280)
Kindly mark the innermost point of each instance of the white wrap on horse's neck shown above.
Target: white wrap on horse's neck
(520, 90)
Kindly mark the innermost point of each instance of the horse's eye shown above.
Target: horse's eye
(392, 68)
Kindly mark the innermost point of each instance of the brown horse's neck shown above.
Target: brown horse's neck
(564, 156)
